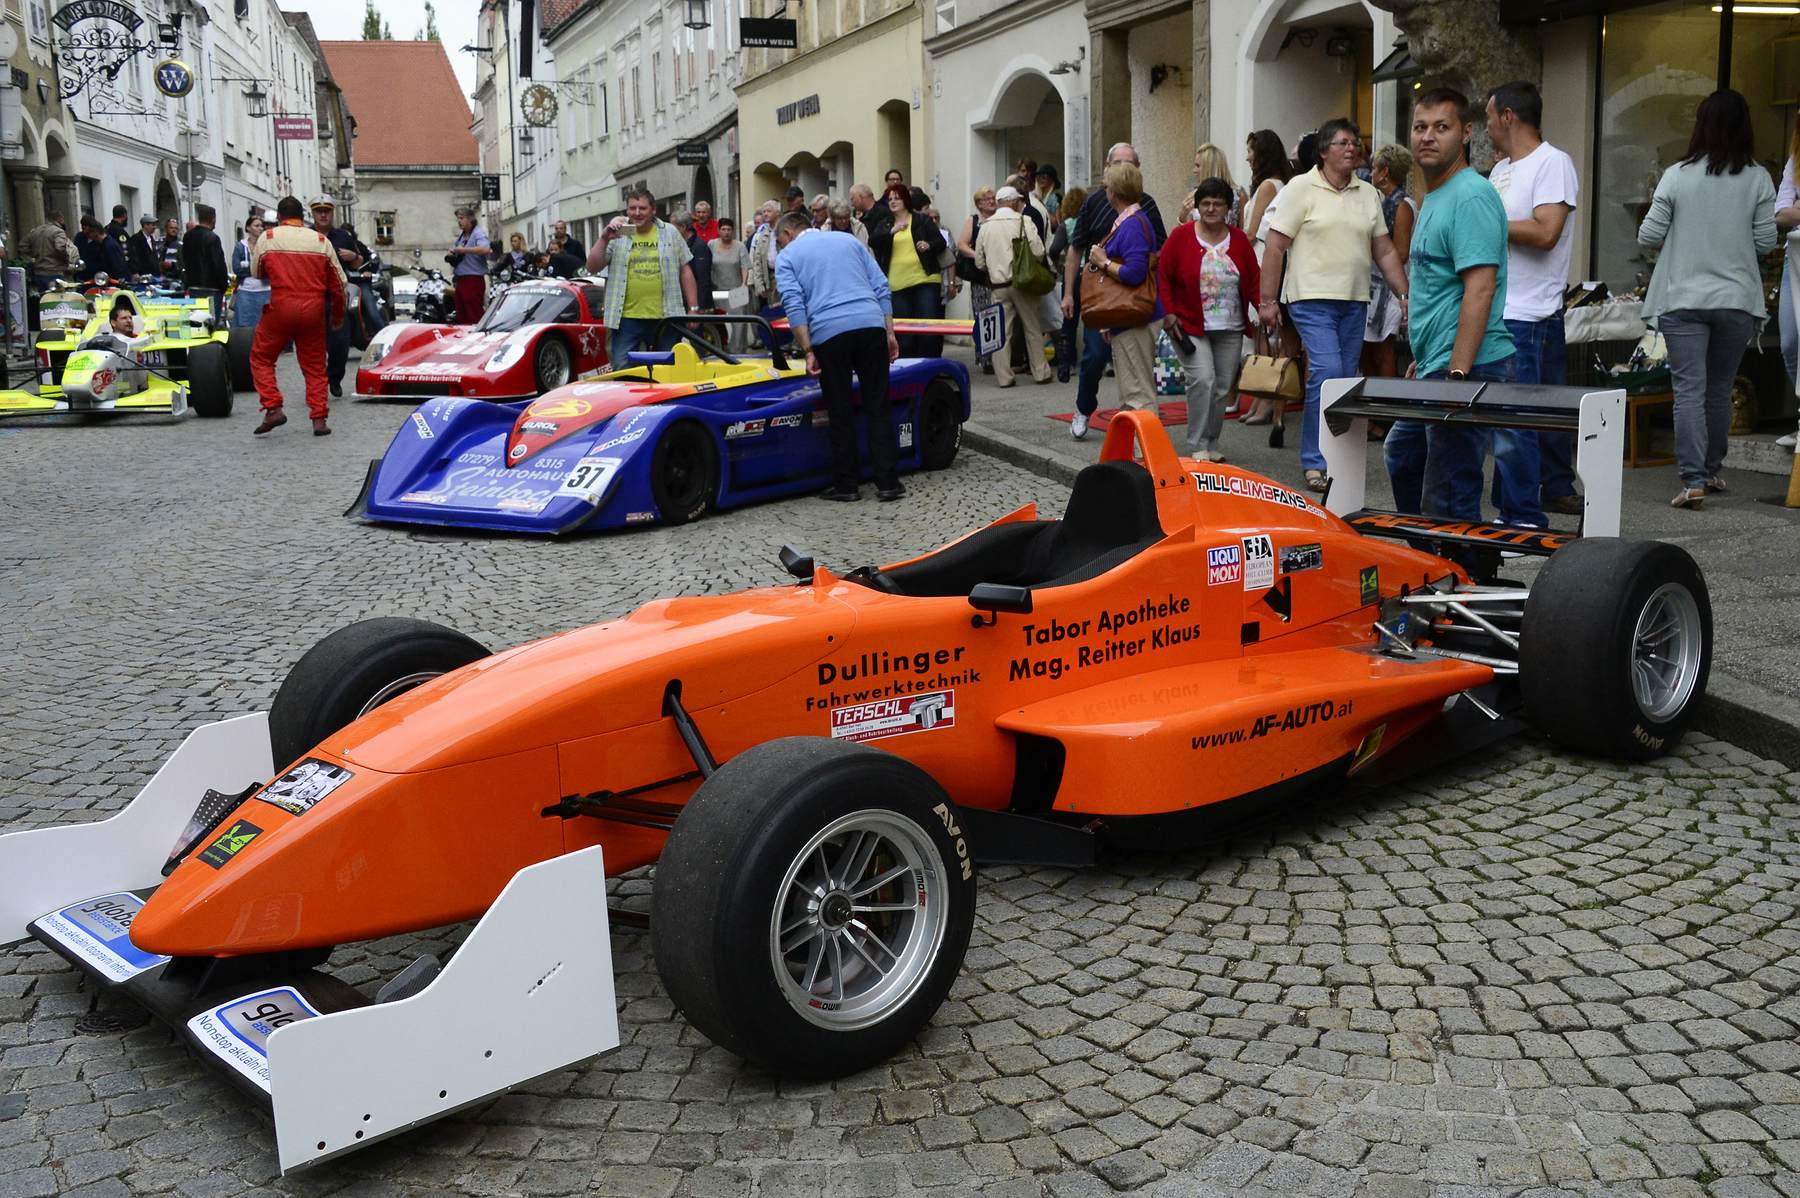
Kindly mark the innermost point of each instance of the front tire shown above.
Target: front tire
(209, 381)
(684, 473)
(1615, 647)
(355, 670)
(237, 357)
(940, 424)
(813, 905)
(551, 365)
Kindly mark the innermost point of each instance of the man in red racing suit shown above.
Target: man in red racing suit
(304, 281)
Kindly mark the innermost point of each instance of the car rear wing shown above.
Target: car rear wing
(1597, 418)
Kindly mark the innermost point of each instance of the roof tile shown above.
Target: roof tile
(409, 110)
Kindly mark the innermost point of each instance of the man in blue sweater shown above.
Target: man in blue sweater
(842, 317)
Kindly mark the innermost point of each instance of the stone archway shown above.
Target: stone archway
(166, 203)
(701, 189)
(1027, 119)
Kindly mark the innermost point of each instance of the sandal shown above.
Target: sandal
(1315, 480)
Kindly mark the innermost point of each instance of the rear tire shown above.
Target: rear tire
(209, 381)
(765, 921)
(1615, 647)
(940, 424)
(237, 356)
(684, 473)
(355, 670)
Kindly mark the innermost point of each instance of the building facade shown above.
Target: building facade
(579, 34)
(37, 133)
(416, 160)
(844, 107)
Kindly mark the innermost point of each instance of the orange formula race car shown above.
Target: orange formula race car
(815, 769)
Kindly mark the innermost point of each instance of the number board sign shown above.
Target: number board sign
(990, 330)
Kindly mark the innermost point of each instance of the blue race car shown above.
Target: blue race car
(672, 434)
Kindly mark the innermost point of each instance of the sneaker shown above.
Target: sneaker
(1688, 497)
(320, 428)
(1716, 486)
(1787, 442)
(1078, 427)
(1564, 505)
(270, 421)
(890, 493)
(337, 390)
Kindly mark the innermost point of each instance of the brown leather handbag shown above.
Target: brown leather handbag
(1267, 376)
(1106, 303)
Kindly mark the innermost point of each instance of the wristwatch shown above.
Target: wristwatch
(1459, 376)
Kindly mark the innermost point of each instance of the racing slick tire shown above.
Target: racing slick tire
(1615, 647)
(552, 365)
(684, 473)
(209, 380)
(762, 923)
(355, 670)
(237, 355)
(940, 424)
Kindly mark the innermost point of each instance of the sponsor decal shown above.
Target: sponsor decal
(894, 717)
(906, 436)
(424, 497)
(523, 503)
(559, 409)
(821, 418)
(542, 428)
(639, 517)
(624, 438)
(1369, 581)
(98, 930)
(238, 1032)
(300, 789)
(590, 478)
(1166, 622)
(230, 843)
(424, 429)
(1294, 718)
(792, 420)
(962, 846)
(1296, 559)
(706, 386)
(518, 451)
(745, 428)
(1259, 563)
(1224, 564)
(1209, 483)
(101, 380)
(1536, 539)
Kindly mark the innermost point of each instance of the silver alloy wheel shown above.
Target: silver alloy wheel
(859, 919)
(553, 365)
(398, 686)
(1666, 649)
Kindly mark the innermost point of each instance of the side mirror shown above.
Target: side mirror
(799, 564)
(993, 598)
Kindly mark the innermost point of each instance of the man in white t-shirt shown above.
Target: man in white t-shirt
(1537, 183)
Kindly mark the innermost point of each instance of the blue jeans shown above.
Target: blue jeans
(631, 334)
(1436, 468)
(1543, 358)
(1790, 336)
(1332, 332)
(1095, 354)
(247, 308)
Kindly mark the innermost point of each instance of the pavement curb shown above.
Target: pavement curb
(1743, 713)
(1016, 452)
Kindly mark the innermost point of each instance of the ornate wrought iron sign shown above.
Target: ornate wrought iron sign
(174, 78)
(100, 48)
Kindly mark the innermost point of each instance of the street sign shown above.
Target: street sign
(691, 153)
(175, 78)
(490, 187)
(191, 173)
(293, 128)
(990, 330)
(769, 33)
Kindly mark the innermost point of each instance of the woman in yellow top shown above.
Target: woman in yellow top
(910, 251)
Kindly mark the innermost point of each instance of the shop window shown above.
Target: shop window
(384, 228)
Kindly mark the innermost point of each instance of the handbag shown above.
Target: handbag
(1268, 377)
(1029, 274)
(1106, 303)
(966, 270)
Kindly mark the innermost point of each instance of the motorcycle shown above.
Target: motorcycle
(374, 308)
(434, 302)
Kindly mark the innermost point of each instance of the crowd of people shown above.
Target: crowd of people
(164, 252)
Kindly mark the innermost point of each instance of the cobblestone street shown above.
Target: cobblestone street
(1528, 973)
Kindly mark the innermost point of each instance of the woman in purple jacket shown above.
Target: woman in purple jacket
(1125, 255)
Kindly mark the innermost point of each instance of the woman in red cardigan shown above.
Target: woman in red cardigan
(1211, 286)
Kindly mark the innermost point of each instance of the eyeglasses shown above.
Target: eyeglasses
(1341, 145)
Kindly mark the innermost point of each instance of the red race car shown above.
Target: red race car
(537, 337)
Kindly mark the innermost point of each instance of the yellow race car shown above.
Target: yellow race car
(111, 350)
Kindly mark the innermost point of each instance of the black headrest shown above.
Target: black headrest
(1112, 503)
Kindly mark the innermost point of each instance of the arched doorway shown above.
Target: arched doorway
(1303, 71)
(893, 139)
(767, 183)
(839, 163)
(701, 190)
(807, 173)
(1027, 121)
(166, 203)
(60, 193)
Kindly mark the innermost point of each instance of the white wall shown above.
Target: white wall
(1162, 122)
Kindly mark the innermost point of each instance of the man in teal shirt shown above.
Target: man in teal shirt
(1457, 283)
